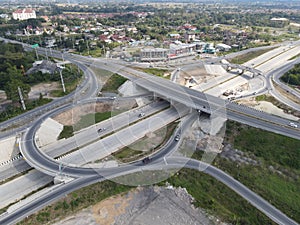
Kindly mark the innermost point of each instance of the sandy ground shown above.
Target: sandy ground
(272, 109)
(2, 95)
(43, 88)
(143, 205)
(72, 116)
(267, 107)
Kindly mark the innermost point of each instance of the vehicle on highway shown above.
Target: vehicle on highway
(141, 115)
(146, 160)
(101, 129)
(177, 137)
(293, 125)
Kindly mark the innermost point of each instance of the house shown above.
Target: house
(24, 14)
(189, 36)
(43, 66)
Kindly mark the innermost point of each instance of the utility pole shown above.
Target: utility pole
(87, 45)
(37, 56)
(62, 80)
(46, 50)
(21, 98)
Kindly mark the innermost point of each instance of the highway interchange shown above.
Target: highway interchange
(173, 93)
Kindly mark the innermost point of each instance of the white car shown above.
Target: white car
(293, 124)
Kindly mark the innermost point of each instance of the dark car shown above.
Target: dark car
(146, 160)
(101, 129)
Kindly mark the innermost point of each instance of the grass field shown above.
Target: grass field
(90, 119)
(113, 83)
(154, 71)
(250, 55)
(217, 199)
(138, 149)
(276, 178)
(85, 121)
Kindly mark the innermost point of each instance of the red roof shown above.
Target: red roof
(20, 11)
(28, 11)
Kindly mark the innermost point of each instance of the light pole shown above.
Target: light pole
(62, 80)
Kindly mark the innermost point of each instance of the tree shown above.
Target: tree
(11, 90)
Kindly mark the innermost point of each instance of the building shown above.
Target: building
(223, 47)
(279, 22)
(180, 50)
(43, 66)
(189, 36)
(4, 16)
(154, 54)
(24, 14)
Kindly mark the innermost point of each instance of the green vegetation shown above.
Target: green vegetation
(15, 109)
(292, 77)
(248, 56)
(276, 177)
(262, 98)
(85, 121)
(295, 57)
(154, 71)
(217, 199)
(270, 147)
(113, 83)
(127, 153)
(66, 132)
(79, 199)
(279, 185)
(71, 77)
(146, 145)
(90, 119)
(14, 62)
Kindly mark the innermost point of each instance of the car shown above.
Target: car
(293, 125)
(141, 114)
(177, 137)
(101, 129)
(146, 160)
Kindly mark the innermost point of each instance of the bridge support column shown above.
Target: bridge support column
(154, 96)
